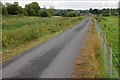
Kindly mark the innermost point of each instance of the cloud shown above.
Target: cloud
(81, 4)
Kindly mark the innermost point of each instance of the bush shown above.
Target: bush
(44, 13)
(4, 10)
(14, 9)
(32, 9)
(71, 14)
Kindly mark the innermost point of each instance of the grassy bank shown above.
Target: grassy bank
(109, 25)
(21, 33)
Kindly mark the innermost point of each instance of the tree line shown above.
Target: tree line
(33, 9)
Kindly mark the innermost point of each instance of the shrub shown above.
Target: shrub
(71, 14)
(44, 13)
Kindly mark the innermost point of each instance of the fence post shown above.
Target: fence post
(105, 40)
(110, 60)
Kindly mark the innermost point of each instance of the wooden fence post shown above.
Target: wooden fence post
(110, 60)
(105, 40)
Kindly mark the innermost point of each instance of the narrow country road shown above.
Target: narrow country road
(53, 59)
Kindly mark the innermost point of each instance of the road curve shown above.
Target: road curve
(53, 59)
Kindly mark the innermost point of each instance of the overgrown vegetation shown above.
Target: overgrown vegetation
(109, 26)
(18, 30)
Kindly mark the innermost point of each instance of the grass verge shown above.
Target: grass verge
(10, 53)
(86, 65)
(109, 25)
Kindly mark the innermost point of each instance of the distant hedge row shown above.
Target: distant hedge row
(33, 9)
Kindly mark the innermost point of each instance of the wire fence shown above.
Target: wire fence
(109, 59)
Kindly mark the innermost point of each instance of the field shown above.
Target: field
(20, 33)
(110, 26)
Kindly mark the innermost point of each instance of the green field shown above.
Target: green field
(17, 31)
(110, 26)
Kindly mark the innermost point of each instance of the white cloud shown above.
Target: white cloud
(81, 4)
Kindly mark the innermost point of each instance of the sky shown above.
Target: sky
(70, 4)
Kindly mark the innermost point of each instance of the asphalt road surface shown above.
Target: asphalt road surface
(52, 59)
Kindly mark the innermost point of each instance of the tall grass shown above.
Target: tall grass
(17, 30)
(110, 26)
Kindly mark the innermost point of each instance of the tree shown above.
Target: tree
(96, 11)
(71, 14)
(91, 10)
(4, 9)
(57, 13)
(32, 9)
(44, 13)
(51, 10)
(63, 12)
(32, 12)
(105, 12)
(14, 9)
(114, 12)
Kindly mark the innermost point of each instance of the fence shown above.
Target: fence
(107, 55)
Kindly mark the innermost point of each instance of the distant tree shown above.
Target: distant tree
(63, 12)
(45, 13)
(96, 11)
(4, 9)
(105, 12)
(51, 10)
(78, 13)
(0, 8)
(114, 12)
(32, 9)
(69, 10)
(85, 12)
(14, 9)
(71, 14)
(57, 13)
(25, 12)
(32, 12)
(91, 10)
